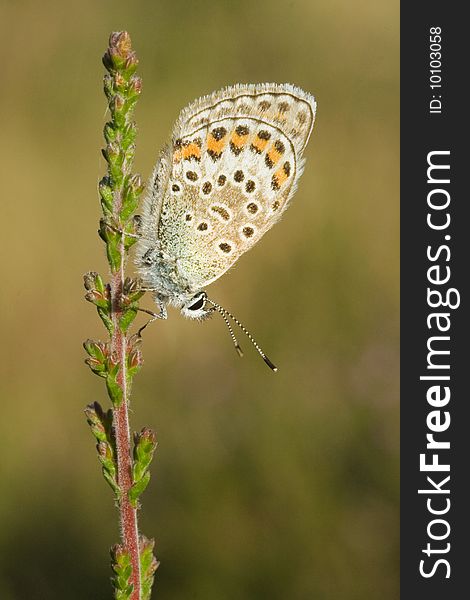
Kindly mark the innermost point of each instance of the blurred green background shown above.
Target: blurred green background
(264, 486)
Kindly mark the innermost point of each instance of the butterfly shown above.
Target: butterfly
(226, 177)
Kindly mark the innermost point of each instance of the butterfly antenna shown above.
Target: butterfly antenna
(232, 334)
(224, 313)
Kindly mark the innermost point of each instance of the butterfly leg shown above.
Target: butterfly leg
(104, 223)
(160, 315)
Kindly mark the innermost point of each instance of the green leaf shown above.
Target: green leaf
(114, 391)
(96, 367)
(109, 132)
(104, 316)
(129, 242)
(148, 566)
(129, 206)
(113, 251)
(93, 282)
(128, 316)
(122, 568)
(129, 134)
(134, 363)
(101, 423)
(97, 299)
(112, 482)
(97, 350)
(96, 419)
(107, 196)
(144, 447)
(137, 489)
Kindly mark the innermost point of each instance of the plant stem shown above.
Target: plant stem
(127, 513)
(125, 465)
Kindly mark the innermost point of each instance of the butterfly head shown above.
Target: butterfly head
(195, 307)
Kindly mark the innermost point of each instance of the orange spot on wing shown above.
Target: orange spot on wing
(280, 175)
(187, 150)
(273, 155)
(215, 146)
(259, 145)
(190, 151)
(239, 140)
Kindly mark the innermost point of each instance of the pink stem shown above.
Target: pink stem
(127, 513)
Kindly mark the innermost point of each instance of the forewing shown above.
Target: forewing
(232, 167)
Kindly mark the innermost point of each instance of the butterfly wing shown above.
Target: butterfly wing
(232, 166)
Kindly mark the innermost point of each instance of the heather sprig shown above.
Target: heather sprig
(119, 358)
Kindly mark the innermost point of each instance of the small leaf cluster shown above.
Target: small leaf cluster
(101, 360)
(121, 565)
(148, 566)
(99, 294)
(145, 444)
(120, 189)
(101, 424)
(122, 569)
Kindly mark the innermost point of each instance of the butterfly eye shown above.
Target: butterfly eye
(149, 257)
(200, 301)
